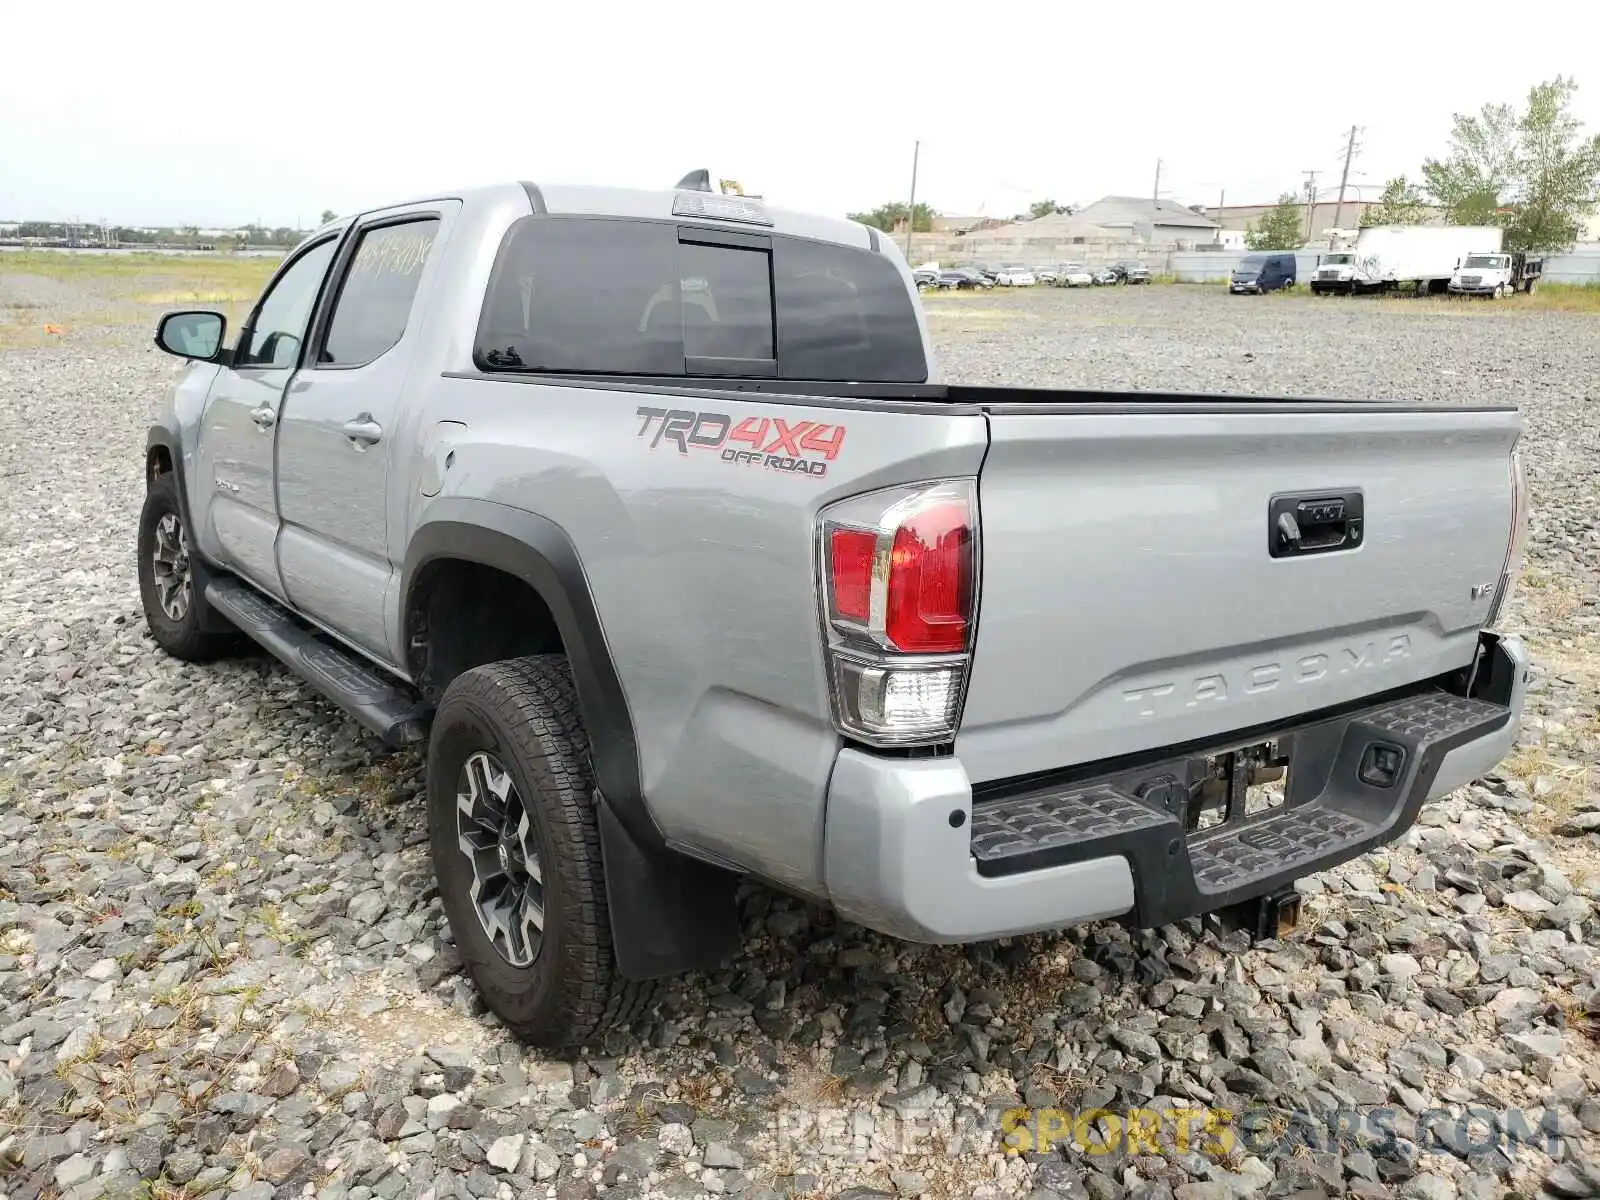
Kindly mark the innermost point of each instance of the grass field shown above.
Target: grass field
(47, 296)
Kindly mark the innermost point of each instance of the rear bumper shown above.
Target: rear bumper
(910, 853)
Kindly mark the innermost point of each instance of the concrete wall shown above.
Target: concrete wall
(1219, 264)
(1581, 266)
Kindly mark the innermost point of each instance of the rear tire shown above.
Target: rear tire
(519, 720)
(175, 610)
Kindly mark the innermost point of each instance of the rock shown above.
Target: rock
(337, 1078)
(539, 1162)
(906, 1105)
(78, 1044)
(367, 908)
(71, 1172)
(1537, 1044)
(284, 1162)
(505, 1153)
(1401, 966)
(722, 1155)
(676, 1139)
(182, 1166)
(145, 1152)
(909, 1183)
(1429, 1187)
(284, 1079)
(1573, 1179)
(1528, 902)
(1579, 824)
(786, 924)
(1141, 1045)
(549, 1074)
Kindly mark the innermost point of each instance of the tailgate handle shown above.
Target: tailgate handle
(1314, 523)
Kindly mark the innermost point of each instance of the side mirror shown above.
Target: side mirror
(192, 334)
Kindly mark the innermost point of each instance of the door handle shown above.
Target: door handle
(363, 431)
(265, 416)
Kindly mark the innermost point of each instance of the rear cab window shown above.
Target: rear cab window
(605, 296)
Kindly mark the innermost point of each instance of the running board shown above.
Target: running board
(384, 705)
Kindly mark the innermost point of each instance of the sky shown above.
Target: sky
(219, 115)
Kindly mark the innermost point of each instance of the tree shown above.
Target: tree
(1559, 170)
(328, 215)
(1048, 208)
(1280, 229)
(887, 216)
(1480, 167)
(1401, 204)
(1535, 173)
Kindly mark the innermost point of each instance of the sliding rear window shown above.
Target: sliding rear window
(597, 296)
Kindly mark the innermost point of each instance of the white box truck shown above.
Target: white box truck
(1387, 256)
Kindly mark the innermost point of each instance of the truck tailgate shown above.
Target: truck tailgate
(1130, 597)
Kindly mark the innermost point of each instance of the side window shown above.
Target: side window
(280, 325)
(374, 302)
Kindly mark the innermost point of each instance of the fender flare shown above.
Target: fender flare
(160, 437)
(669, 913)
(541, 554)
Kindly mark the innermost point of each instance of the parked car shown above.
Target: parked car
(1261, 273)
(1106, 277)
(1045, 274)
(1129, 271)
(963, 279)
(925, 277)
(683, 587)
(1073, 275)
(1016, 277)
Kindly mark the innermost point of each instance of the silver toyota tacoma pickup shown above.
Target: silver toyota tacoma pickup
(650, 513)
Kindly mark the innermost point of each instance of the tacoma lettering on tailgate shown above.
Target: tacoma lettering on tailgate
(1215, 687)
(776, 443)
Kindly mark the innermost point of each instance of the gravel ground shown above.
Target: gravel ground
(223, 968)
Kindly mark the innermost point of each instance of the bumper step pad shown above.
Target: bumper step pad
(1331, 813)
(384, 705)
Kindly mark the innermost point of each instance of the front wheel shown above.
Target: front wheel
(516, 847)
(174, 609)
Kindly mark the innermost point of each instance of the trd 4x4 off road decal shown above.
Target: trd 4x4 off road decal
(796, 447)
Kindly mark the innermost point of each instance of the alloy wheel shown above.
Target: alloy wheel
(170, 567)
(495, 835)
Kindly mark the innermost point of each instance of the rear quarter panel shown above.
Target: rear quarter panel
(703, 575)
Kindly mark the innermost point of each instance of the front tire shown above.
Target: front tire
(175, 610)
(516, 848)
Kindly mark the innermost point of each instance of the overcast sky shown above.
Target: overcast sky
(226, 113)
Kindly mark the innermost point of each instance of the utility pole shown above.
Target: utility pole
(1344, 178)
(1222, 199)
(1311, 200)
(911, 209)
(1155, 190)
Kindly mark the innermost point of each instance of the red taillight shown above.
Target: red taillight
(929, 596)
(851, 552)
(899, 605)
